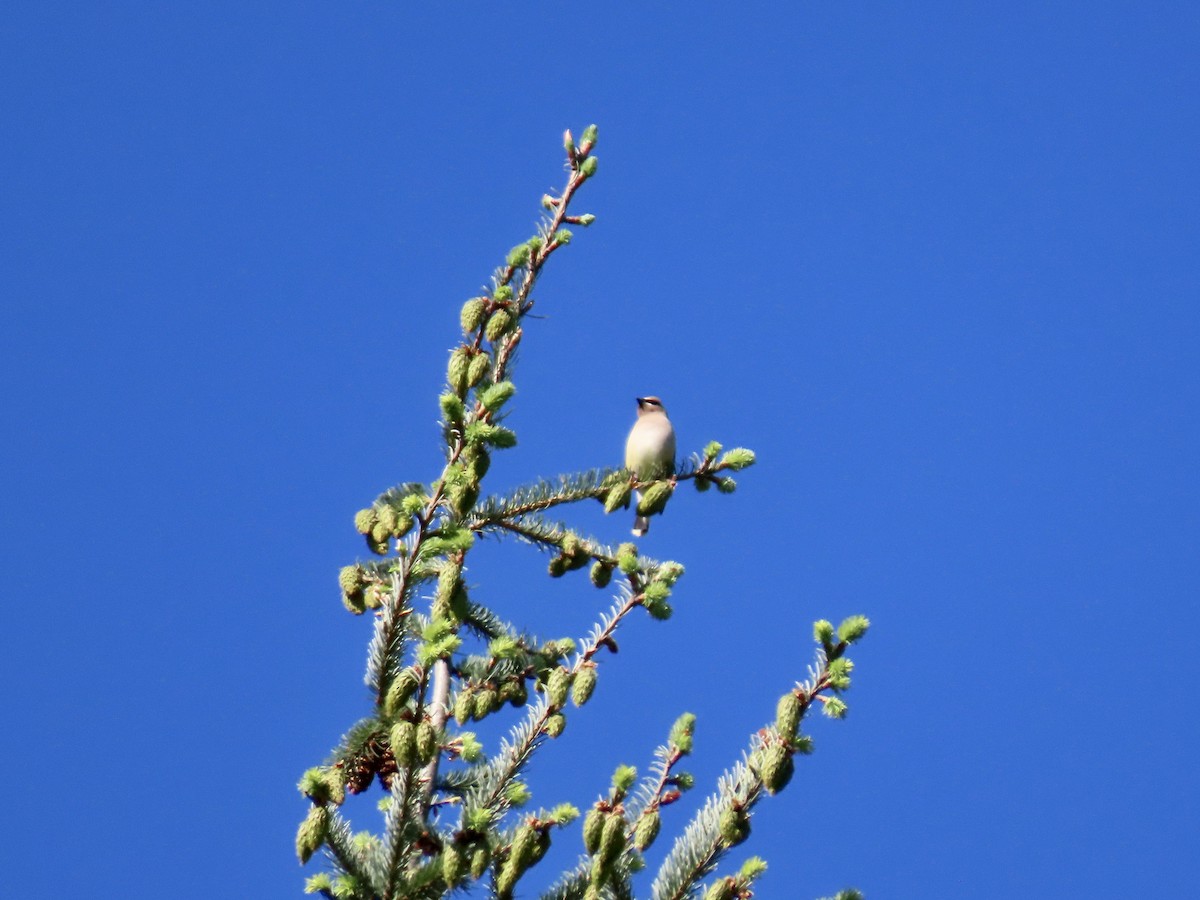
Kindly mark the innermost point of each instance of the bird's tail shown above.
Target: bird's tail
(640, 526)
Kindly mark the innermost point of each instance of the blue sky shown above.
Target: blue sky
(935, 264)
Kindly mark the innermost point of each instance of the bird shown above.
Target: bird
(650, 449)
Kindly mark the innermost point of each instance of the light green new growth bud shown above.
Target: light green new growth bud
(655, 498)
(557, 686)
(364, 520)
(685, 781)
(495, 396)
(839, 673)
(311, 833)
(498, 324)
(588, 169)
(601, 573)
(562, 237)
(669, 572)
(656, 592)
(563, 814)
(315, 785)
(722, 889)
(518, 256)
(399, 692)
(618, 495)
(612, 839)
(777, 768)
(503, 294)
(853, 628)
(463, 707)
(549, 201)
(517, 794)
(557, 566)
(802, 744)
(726, 485)
(734, 826)
(318, 884)
(787, 715)
(702, 484)
(711, 450)
(583, 685)
(374, 596)
(515, 692)
(646, 829)
(623, 779)
(413, 504)
(593, 828)
(456, 370)
(427, 743)
(627, 559)
(493, 435)
(682, 733)
(477, 819)
(504, 647)
(555, 724)
(823, 631)
(586, 219)
(589, 135)
(834, 708)
(452, 409)
(453, 865)
(403, 739)
(479, 365)
(738, 458)
(752, 869)
(472, 314)
(659, 610)
(469, 747)
(535, 244)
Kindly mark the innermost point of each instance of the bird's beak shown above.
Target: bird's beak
(640, 401)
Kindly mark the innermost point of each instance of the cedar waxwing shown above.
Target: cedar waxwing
(650, 449)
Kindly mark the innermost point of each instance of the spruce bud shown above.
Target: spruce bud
(627, 559)
(601, 573)
(823, 631)
(311, 833)
(557, 686)
(349, 579)
(777, 768)
(472, 314)
(721, 889)
(734, 826)
(483, 704)
(618, 495)
(518, 256)
(646, 829)
(355, 603)
(562, 237)
(452, 866)
(738, 458)
(403, 737)
(593, 828)
(427, 745)
(479, 861)
(364, 520)
(583, 685)
(588, 168)
(463, 707)
(726, 485)
(655, 498)
(477, 368)
(503, 294)
(497, 395)
(853, 628)
(456, 371)
(612, 838)
(497, 325)
(555, 724)
(787, 715)
(586, 219)
(399, 692)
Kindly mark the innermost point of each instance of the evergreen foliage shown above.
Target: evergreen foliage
(452, 811)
